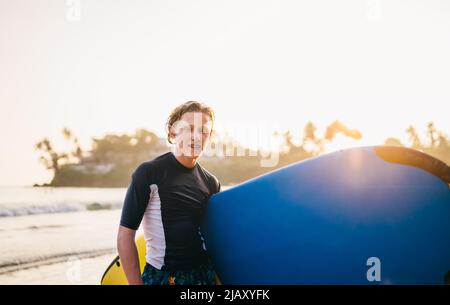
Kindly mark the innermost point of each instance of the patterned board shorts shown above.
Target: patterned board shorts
(201, 275)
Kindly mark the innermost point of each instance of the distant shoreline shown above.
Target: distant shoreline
(85, 186)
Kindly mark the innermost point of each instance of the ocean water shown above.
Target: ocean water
(20, 201)
(38, 226)
(47, 225)
(24, 200)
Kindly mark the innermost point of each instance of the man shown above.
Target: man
(169, 195)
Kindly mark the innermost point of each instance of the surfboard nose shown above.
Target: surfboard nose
(412, 157)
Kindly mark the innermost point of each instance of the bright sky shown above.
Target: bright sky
(378, 66)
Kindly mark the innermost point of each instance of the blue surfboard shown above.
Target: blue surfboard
(367, 215)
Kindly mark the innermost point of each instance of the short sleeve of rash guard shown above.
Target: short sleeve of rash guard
(136, 198)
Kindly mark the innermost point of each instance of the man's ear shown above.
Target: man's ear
(170, 135)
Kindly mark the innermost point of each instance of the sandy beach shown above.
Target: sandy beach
(60, 248)
(86, 271)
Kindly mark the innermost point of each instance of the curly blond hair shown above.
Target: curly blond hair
(190, 106)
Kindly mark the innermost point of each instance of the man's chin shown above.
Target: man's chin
(195, 154)
(191, 153)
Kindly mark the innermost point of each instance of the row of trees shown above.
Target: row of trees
(108, 164)
(113, 157)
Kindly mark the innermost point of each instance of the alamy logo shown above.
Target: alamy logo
(73, 10)
(374, 272)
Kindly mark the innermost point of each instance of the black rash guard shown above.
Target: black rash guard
(169, 199)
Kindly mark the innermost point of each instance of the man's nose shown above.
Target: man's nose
(196, 136)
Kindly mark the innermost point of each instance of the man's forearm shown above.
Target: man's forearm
(130, 260)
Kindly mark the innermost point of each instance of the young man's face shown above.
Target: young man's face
(192, 133)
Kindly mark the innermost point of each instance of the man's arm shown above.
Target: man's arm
(129, 255)
(136, 200)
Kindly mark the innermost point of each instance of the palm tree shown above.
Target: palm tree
(49, 157)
